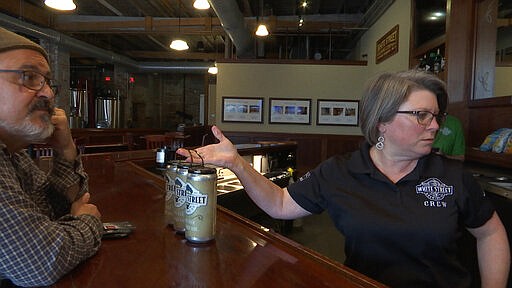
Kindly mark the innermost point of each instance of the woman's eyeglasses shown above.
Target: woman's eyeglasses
(425, 117)
(34, 80)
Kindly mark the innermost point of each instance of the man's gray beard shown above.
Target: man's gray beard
(28, 131)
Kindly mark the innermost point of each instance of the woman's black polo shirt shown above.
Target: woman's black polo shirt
(402, 234)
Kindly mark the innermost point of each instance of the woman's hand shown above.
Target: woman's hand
(222, 154)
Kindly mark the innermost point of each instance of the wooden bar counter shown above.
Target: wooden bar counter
(242, 255)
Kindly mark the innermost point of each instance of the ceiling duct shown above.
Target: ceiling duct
(234, 25)
(371, 16)
(98, 53)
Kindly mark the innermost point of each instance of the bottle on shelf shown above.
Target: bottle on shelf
(438, 62)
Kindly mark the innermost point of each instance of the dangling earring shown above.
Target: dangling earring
(380, 144)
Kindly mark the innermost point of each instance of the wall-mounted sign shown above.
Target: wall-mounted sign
(387, 45)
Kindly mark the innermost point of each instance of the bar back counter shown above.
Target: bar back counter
(243, 253)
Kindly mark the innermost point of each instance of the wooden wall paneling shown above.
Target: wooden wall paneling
(312, 149)
(459, 49)
(485, 46)
(484, 120)
(309, 153)
(342, 145)
(132, 137)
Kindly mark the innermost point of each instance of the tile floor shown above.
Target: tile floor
(318, 233)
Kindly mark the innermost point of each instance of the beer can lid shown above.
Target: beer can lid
(202, 170)
(188, 165)
(173, 163)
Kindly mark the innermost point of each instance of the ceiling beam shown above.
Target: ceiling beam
(197, 25)
(176, 55)
(113, 24)
(25, 10)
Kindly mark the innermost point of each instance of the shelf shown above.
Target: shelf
(489, 158)
(435, 43)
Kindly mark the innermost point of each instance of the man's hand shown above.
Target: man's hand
(82, 206)
(61, 140)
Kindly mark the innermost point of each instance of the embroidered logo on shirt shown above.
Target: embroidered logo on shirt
(435, 191)
(305, 176)
(445, 131)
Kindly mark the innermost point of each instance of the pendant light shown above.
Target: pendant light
(64, 5)
(179, 44)
(262, 30)
(213, 69)
(201, 4)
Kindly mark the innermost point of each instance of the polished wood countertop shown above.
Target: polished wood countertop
(243, 254)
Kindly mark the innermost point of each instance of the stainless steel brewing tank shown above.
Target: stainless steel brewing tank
(78, 107)
(108, 112)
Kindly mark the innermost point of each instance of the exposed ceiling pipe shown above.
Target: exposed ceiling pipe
(370, 17)
(234, 24)
(187, 67)
(110, 7)
(101, 54)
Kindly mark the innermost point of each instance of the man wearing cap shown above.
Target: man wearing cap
(47, 226)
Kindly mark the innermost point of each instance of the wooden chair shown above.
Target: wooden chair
(177, 139)
(158, 141)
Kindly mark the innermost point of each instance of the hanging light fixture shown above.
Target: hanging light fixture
(64, 5)
(262, 30)
(179, 44)
(213, 70)
(201, 4)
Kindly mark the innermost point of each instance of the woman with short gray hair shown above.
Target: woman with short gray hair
(400, 207)
(386, 92)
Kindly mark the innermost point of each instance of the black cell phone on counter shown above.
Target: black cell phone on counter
(114, 230)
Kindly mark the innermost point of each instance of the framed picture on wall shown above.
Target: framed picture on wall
(337, 112)
(290, 111)
(242, 109)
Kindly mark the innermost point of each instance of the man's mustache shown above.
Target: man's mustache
(42, 104)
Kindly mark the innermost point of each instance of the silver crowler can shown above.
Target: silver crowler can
(180, 195)
(201, 212)
(170, 187)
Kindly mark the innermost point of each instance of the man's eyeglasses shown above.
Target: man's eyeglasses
(425, 117)
(34, 80)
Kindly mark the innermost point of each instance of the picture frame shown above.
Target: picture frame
(337, 112)
(289, 111)
(247, 110)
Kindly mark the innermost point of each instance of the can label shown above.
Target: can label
(169, 198)
(180, 198)
(200, 214)
(195, 199)
(180, 193)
